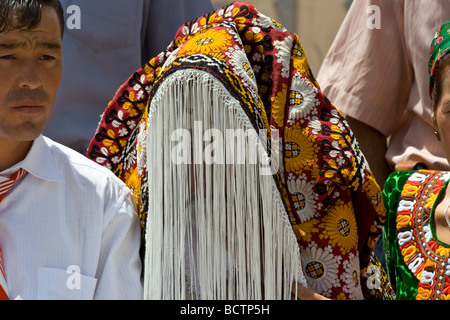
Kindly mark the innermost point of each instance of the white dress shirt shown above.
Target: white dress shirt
(69, 229)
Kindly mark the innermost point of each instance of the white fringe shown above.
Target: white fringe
(214, 231)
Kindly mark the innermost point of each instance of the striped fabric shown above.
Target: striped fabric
(5, 186)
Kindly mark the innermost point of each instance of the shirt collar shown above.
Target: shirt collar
(40, 162)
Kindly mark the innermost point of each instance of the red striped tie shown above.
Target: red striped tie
(5, 186)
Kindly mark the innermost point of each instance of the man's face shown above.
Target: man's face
(30, 72)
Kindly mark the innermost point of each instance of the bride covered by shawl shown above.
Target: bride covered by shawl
(249, 182)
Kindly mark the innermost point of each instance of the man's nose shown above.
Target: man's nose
(29, 76)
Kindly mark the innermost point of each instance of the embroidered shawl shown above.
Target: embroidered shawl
(294, 202)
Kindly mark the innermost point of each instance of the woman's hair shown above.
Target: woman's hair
(26, 14)
(439, 77)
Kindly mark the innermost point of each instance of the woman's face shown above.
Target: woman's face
(441, 114)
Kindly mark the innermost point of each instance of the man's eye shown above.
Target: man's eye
(47, 57)
(7, 57)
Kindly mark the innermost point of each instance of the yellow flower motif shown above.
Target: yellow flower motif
(299, 60)
(430, 263)
(180, 40)
(151, 71)
(277, 25)
(372, 189)
(422, 267)
(260, 49)
(247, 48)
(403, 220)
(132, 112)
(241, 22)
(409, 253)
(236, 11)
(299, 150)
(336, 136)
(203, 20)
(431, 200)
(423, 294)
(128, 104)
(113, 149)
(343, 143)
(278, 106)
(151, 76)
(340, 226)
(147, 68)
(443, 251)
(119, 170)
(251, 36)
(123, 143)
(211, 19)
(355, 184)
(409, 190)
(140, 106)
(306, 229)
(330, 173)
(108, 142)
(341, 296)
(208, 42)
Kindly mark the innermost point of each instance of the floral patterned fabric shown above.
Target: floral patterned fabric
(332, 200)
(417, 261)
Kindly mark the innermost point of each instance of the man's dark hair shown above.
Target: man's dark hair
(26, 14)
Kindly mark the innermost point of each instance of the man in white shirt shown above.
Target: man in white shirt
(68, 228)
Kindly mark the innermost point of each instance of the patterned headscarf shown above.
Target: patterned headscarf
(439, 48)
(328, 193)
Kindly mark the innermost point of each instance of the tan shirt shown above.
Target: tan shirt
(380, 76)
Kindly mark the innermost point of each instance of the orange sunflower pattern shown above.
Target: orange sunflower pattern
(330, 195)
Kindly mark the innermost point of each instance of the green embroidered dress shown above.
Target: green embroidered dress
(418, 263)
